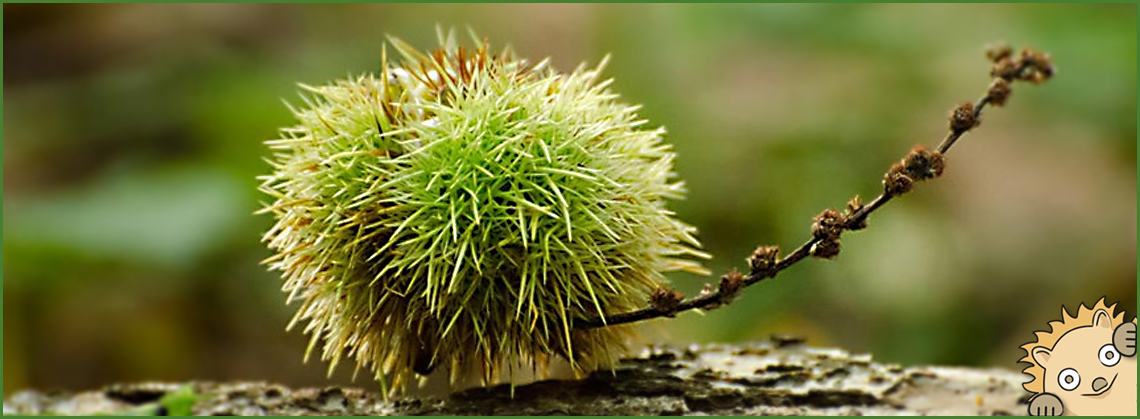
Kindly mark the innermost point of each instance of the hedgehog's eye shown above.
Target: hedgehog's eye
(1069, 379)
(1108, 355)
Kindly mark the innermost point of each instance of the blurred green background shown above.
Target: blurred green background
(132, 137)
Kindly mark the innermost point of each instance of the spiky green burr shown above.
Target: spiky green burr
(461, 208)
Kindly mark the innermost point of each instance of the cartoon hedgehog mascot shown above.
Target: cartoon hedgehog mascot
(1085, 366)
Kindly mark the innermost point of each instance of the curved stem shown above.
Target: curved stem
(1031, 66)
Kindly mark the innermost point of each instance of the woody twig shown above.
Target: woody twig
(919, 165)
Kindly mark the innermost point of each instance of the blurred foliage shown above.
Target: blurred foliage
(132, 139)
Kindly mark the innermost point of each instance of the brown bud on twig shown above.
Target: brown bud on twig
(999, 52)
(962, 118)
(896, 182)
(922, 164)
(1037, 59)
(1004, 68)
(730, 286)
(854, 206)
(764, 260)
(828, 224)
(706, 291)
(999, 92)
(665, 299)
(1039, 66)
(826, 248)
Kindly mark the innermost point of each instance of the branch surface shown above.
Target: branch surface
(782, 376)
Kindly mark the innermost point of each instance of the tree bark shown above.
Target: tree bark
(778, 377)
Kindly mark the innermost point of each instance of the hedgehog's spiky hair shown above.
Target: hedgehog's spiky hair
(1058, 328)
(461, 208)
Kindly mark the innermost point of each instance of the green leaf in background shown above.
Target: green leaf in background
(166, 217)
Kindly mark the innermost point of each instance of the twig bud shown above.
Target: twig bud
(1004, 68)
(896, 182)
(828, 224)
(999, 52)
(826, 248)
(962, 118)
(1038, 64)
(708, 290)
(730, 286)
(827, 228)
(999, 92)
(854, 206)
(764, 259)
(921, 164)
(665, 300)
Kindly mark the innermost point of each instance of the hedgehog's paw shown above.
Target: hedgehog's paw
(1124, 338)
(1046, 404)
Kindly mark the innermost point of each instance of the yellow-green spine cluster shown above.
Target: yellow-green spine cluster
(461, 209)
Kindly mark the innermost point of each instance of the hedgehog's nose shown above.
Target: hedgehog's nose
(1099, 384)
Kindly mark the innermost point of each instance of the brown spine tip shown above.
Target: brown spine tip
(963, 118)
(999, 92)
(764, 260)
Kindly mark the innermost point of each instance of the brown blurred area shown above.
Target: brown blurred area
(132, 138)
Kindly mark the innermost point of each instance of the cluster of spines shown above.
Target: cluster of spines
(461, 210)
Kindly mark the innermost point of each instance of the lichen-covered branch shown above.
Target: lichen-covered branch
(782, 376)
(918, 165)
